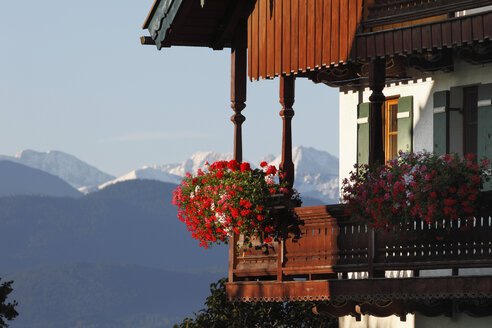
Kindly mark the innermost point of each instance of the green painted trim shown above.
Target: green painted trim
(405, 124)
(441, 123)
(161, 20)
(484, 127)
(363, 134)
(363, 110)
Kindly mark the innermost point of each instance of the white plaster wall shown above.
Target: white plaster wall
(422, 91)
(348, 133)
(461, 320)
(419, 89)
(368, 321)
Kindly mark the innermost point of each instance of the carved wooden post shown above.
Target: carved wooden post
(287, 86)
(238, 99)
(238, 88)
(377, 77)
(287, 91)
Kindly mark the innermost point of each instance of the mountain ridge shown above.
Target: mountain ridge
(316, 171)
(74, 171)
(19, 179)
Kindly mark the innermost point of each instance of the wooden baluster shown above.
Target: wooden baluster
(280, 260)
(238, 99)
(287, 84)
(377, 77)
(232, 256)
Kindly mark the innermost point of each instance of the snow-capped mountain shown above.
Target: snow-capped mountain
(171, 172)
(316, 173)
(67, 167)
(154, 172)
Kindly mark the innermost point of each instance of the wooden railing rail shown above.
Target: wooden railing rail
(387, 12)
(330, 246)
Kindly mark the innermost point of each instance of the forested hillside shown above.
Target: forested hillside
(115, 258)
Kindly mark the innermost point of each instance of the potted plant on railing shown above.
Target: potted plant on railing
(416, 187)
(230, 197)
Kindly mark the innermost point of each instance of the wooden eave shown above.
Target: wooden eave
(364, 290)
(449, 33)
(187, 23)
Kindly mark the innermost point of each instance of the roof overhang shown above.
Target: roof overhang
(208, 23)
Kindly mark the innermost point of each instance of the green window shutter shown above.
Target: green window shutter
(363, 134)
(484, 125)
(405, 124)
(441, 122)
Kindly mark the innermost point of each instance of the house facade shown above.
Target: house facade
(443, 111)
(434, 111)
(413, 75)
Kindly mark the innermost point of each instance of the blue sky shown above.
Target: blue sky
(74, 77)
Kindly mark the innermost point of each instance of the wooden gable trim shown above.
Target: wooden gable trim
(151, 14)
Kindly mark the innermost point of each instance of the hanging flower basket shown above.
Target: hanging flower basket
(229, 197)
(416, 187)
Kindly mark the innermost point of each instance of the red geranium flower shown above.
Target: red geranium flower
(245, 167)
(271, 170)
(233, 165)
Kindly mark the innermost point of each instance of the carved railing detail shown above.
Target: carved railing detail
(330, 246)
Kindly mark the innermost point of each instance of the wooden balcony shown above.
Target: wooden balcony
(336, 260)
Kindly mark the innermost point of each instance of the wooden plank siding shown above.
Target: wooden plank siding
(292, 36)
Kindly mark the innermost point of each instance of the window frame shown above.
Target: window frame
(391, 100)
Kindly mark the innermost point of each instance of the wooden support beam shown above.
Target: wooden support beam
(238, 99)
(287, 91)
(377, 77)
(238, 87)
(146, 40)
(237, 12)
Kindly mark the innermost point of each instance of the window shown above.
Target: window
(390, 116)
(457, 127)
(397, 128)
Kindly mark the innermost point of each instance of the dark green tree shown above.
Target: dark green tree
(7, 310)
(219, 313)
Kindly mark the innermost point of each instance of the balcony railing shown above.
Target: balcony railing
(331, 246)
(389, 12)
